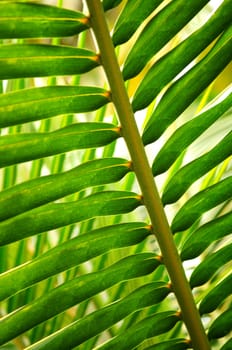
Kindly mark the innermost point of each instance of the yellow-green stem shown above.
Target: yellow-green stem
(145, 178)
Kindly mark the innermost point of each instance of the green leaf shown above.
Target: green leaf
(158, 32)
(210, 265)
(227, 345)
(42, 219)
(188, 133)
(71, 253)
(73, 292)
(191, 172)
(132, 15)
(98, 321)
(221, 326)
(9, 346)
(206, 234)
(26, 105)
(202, 202)
(57, 282)
(109, 4)
(194, 81)
(158, 76)
(149, 327)
(31, 20)
(38, 60)
(39, 191)
(21, 147)
(216, 296)
(174, 344)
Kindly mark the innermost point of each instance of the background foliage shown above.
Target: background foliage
(87, 257)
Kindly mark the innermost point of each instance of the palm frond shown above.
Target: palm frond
(95, 252)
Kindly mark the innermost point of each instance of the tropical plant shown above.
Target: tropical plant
(115, 223)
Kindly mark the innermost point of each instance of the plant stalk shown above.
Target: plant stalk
(152, 201)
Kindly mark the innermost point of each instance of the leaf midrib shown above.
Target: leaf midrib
(145, 178)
